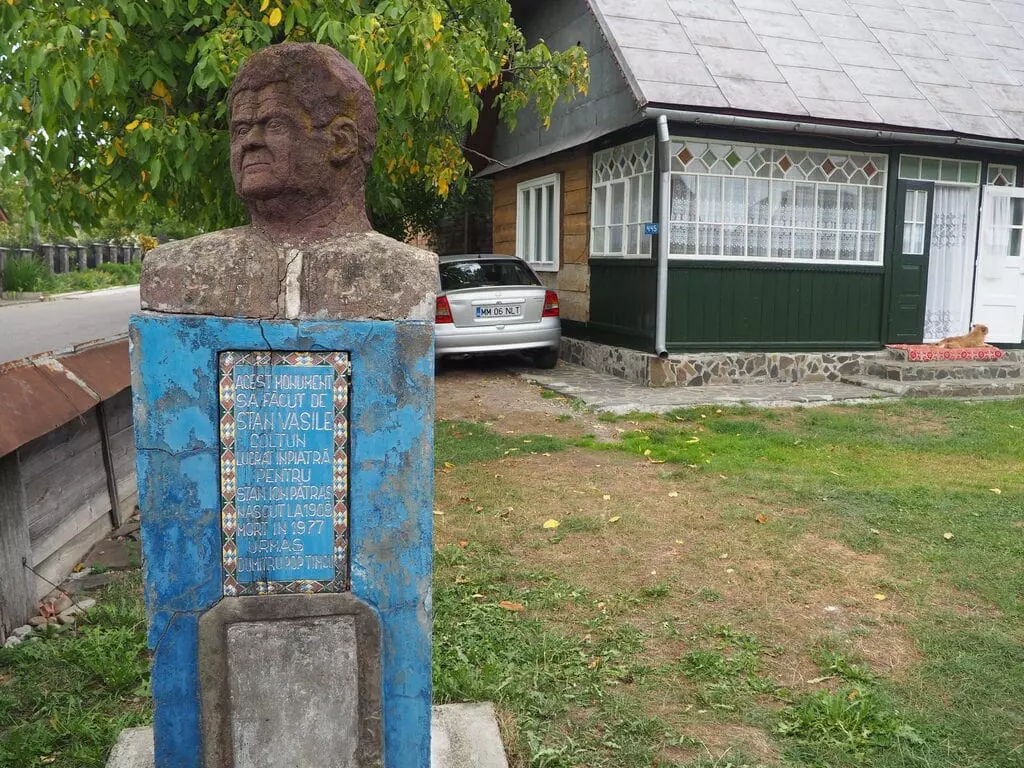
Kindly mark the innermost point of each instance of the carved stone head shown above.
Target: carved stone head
(303, 132)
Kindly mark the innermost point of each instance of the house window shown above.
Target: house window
(537, 219)
(621, 200)
(1001, 175)
(756, 202)
(941, 170)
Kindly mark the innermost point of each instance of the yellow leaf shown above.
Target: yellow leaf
(146, 125)
(26, 104)
(275, 17)
(380, 66)
(947, 536)
(996, 491)
(508, 605)
(693, 440)
(449, 465)
(132, 125)
(647, 452)
(879, 596)
(551, 523)
(159, 89)
(680, 541)
(614, 519)
(438, 512)
(673, 494)
(435, 19)
(607, 497)
(263, 5)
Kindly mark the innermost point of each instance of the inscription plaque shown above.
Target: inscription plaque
(284, 471)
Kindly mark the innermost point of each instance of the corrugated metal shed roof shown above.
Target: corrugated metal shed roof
(933, 65)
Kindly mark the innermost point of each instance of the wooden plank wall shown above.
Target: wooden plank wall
(60, 494)
(572, 280)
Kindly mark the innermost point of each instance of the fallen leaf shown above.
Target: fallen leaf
(438, 512)
(833, 472)
(816, 680)
(594, 663)
(879, 596)
(614, 519)
(730, 570)
(498, 476)
(876, 532)
(673, 494)
(545, 454)
(465, 499)
(527, 441)
(551, 523)
(479, 508)
(449, 465)
(463, 543)
(693, 440)
(508, 605)
(680, 541)
(461, 580)
(724, 556)
(947, 536)
(995, 491)
(724, 477)
(647, 452)
(607, 497)
(761, 519)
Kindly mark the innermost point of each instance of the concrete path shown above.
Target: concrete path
(604, 392)
(65, 321)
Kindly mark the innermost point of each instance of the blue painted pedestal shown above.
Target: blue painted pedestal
(175, 376)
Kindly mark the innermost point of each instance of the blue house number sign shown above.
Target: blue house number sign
(284, 471)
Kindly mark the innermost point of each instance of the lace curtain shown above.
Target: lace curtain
(950, 262)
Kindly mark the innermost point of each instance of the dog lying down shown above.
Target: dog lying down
(975, 338)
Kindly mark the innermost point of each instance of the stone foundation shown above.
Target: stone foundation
(699, 369)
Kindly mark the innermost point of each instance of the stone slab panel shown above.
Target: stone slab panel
(291, 680)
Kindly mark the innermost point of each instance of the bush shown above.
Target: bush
(25, 275)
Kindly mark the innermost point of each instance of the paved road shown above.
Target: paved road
(50, 326)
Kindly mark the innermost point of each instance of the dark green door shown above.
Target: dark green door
(910, 262)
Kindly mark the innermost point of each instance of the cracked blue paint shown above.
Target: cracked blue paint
(174, 378)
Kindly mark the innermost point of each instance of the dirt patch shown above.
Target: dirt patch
(501, 399)
(718, 741)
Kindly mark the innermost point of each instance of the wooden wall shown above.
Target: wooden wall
(572, 280)
(60, 494)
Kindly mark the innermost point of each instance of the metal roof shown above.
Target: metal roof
(933, 65)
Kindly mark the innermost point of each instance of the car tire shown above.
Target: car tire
(545, 358)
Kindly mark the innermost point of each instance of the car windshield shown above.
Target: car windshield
(482, 274)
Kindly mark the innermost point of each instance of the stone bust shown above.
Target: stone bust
(303, 132)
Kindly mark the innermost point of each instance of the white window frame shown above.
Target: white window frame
(530, 194)
(878, 159)
(636, 177)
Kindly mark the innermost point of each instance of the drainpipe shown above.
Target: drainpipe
(664, 209)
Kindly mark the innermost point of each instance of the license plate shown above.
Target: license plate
(500, 310)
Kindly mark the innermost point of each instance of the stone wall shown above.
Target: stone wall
(572, 280)
(690, 370)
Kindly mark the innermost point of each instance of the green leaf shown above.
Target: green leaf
(70, 91)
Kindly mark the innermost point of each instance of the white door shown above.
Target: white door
(999, 276)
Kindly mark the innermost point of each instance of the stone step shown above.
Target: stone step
(942, 388)
(942, 370)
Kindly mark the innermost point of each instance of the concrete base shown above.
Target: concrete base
(461, 736)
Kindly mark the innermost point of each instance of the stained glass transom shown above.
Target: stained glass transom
(1001, 175)
(744, 201)
(940, 169)
(691, 156)
(623, 193)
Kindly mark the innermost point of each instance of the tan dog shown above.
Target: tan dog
(976, 338)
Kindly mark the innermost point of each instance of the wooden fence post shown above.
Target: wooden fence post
(3, 266)
(17, 599)
(83, 257)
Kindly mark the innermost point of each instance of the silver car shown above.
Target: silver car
(489, 303)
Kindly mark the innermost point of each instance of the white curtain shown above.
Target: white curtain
(951, 262)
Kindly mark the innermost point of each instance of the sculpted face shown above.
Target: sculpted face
(275, 151)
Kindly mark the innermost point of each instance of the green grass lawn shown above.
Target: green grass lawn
(836, 586)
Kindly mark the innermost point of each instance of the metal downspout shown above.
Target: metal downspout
(664, 210)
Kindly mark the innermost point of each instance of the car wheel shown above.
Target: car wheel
(545, 358)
